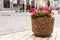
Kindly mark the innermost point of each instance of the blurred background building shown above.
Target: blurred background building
(9, 5)
(16, 4)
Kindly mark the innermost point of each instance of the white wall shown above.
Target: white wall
(1, 4)
(42, 3)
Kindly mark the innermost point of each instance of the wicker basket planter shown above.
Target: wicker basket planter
(42, 26)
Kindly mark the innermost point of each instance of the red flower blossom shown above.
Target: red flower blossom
(34, 13)
(32, 10)
(47, 9)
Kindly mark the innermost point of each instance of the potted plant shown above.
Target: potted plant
(42, 21)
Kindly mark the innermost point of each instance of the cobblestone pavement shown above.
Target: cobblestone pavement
(16, 22)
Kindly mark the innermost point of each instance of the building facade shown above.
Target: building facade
(14, 4)
(10, 4)
(18, 4)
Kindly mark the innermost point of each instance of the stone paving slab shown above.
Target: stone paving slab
(16, 22)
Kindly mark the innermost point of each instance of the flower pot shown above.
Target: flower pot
(42, 26)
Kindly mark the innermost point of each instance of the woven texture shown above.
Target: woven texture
(42, 26)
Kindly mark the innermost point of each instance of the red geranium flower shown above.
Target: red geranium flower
(47, 9)
(32, 10)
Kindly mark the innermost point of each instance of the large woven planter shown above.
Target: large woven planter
(42, 26)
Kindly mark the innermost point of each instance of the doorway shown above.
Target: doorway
(6, 4)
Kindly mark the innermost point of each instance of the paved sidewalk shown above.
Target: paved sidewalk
(15, 22)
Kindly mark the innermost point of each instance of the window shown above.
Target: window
(15, 5)
(6, 4)
(56, 2)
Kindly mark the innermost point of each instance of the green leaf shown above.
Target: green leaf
(48, 15)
